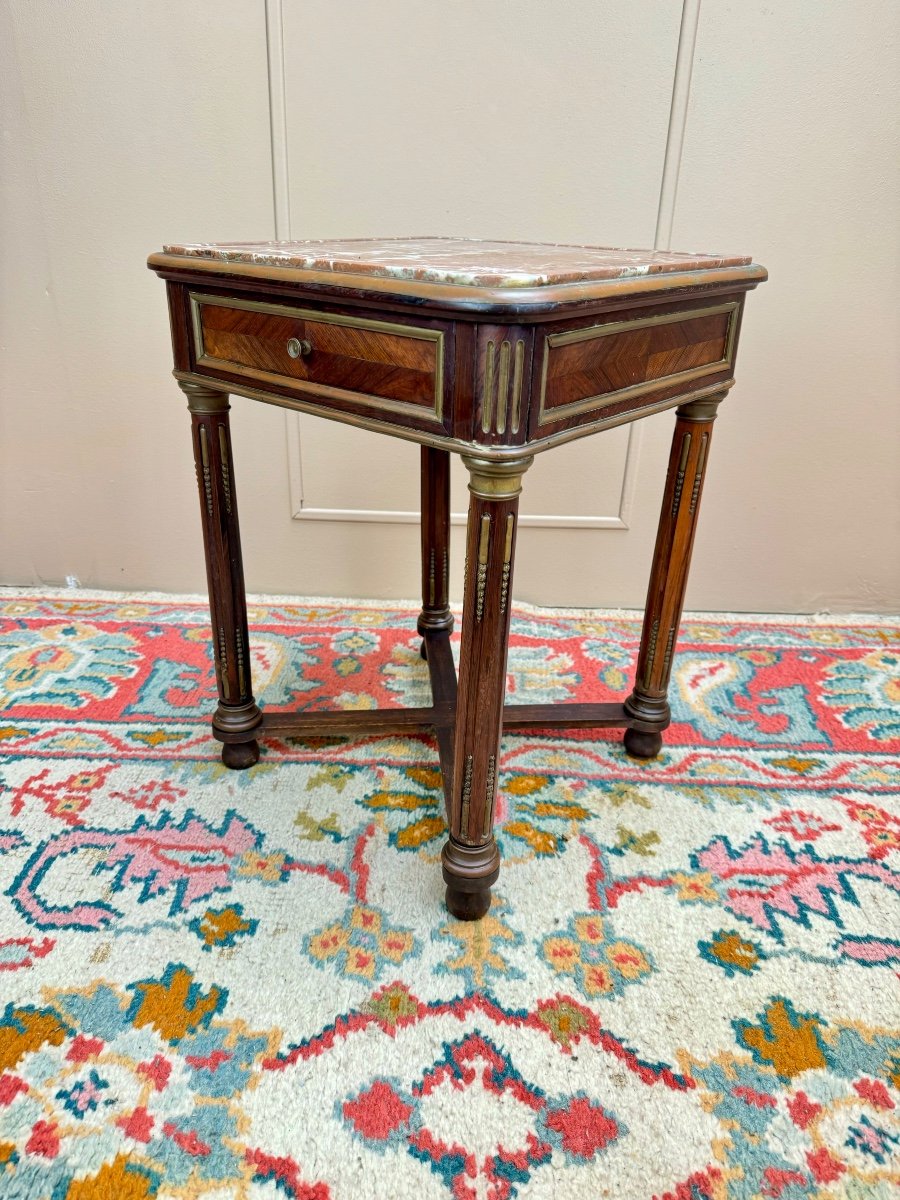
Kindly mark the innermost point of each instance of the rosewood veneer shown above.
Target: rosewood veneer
(494, 351)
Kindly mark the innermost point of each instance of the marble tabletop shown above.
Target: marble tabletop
(460, 261)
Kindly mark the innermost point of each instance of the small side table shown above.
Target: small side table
(491, 350)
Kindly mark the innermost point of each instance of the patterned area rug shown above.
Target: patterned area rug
(230, 985)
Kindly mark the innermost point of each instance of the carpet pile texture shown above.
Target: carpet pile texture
(227, 985)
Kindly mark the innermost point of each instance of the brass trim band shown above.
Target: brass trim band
(457, 445)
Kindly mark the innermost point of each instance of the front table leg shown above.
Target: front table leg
(648, 701)
(237, 716)
(470, 859)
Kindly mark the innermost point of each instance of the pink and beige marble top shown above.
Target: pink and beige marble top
(460, 261)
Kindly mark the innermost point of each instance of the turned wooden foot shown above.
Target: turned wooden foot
(469, 871)
(468, 906)
(640, 744)
(238, 756)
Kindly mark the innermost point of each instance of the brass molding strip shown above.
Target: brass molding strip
(487, 453)
(518, 372)
(382, 403)
(503, 387)
(467, 296)
(548, 416)
(487, 389)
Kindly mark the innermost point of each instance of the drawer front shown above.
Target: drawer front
(374, 364)
(588, 370)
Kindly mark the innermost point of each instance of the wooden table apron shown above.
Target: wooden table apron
(495, 375)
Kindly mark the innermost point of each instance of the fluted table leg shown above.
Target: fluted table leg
(470, 858)
(237, 716)
(648, 701)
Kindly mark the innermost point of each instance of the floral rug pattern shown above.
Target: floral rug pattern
(245, 985)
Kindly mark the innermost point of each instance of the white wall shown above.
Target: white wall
(774, 132)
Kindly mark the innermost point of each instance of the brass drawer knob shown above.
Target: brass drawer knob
(298, 348)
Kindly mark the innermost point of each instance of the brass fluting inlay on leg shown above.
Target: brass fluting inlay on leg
(242, 675)
(679, 479)
(489, 798)
(651, 652)
(670, 642)
(518, 371)
(503, 387)
(507, 563)
(223, 664)
(431, 579)
(207, 479)
(226, 475)
(445, 583)
(466, 800)
(487, 390)
(481, 579)
(698, 476)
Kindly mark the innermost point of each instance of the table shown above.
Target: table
(492, 350)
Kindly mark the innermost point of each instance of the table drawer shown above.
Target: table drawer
(591, 368)
(374, 364)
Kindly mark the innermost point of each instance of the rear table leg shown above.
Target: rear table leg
(435, 614)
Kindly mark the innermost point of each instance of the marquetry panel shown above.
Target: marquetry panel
(589, 369)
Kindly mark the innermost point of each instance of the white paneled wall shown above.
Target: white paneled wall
(735, 125)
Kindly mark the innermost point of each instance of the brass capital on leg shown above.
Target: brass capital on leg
(704, 409)
(496, 480)
(202, 399)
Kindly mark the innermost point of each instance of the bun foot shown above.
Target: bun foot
(640, 744)
(238, 756)
(468, 906)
